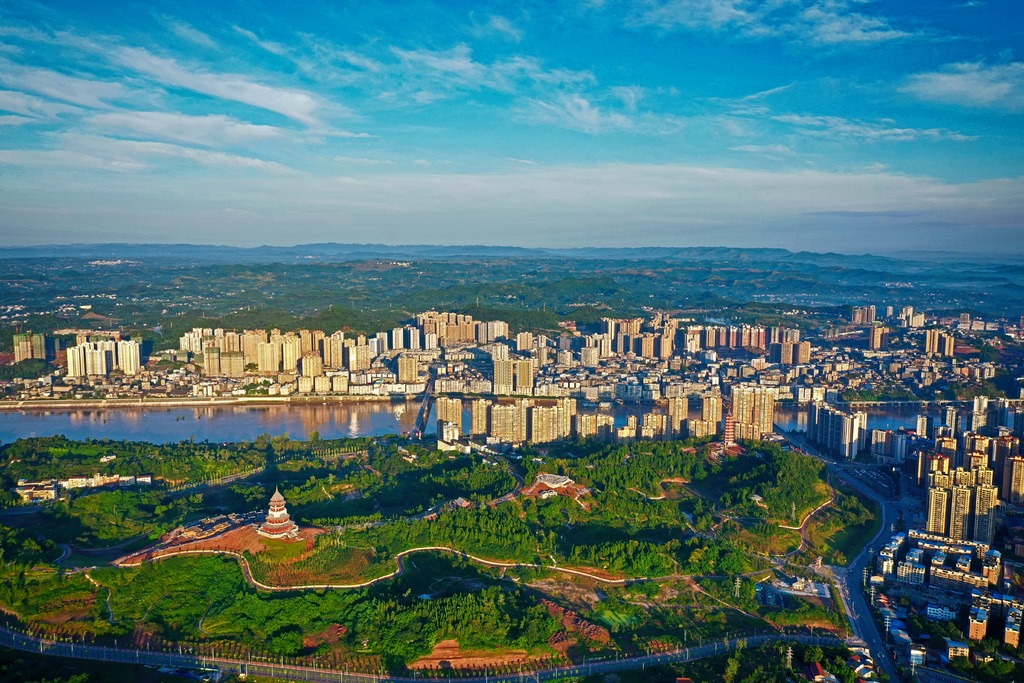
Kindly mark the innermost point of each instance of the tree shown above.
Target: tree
(732, 667)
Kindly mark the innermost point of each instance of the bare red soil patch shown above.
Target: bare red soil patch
(574, 623)
(448, 654)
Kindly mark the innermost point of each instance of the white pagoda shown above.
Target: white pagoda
(278, 524)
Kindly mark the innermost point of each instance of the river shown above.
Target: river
(337, 420)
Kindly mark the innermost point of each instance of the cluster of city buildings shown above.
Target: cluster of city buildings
(972, 474)
(750, 415)
(737, 370)
(49, 489)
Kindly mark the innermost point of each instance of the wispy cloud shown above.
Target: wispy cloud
(576, 112)
(456, 67)
(295, 104)
(630, 96)
(767, 150)
(766, 93)
(65, 159)
(215, 130)
(30, 105)
(972, 84)
(811, 21)
(14, 120)
(830, 25)
(268, 45)
(505, 27)
(189, 33)
(131, 152)
(58, 86)
(523, 161)
(838, 127)
(363, 161)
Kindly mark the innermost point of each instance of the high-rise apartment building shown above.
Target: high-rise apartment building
(1013, 480)
(358, 357)
(938, 510)
(986, 500)
(524, 377)
(408, 369)
(841, 433)
(959, 512)
(508, 421)
(478, 410)
(29, 345)
(311, 365)
(503, 377)
(678, 412)
(268, 357)
(594, 426)
(450, 410)
(753, 408)
(879, 338)
(291, 352)
(129, 356)
(938, 343)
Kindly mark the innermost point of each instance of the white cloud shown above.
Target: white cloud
(972, 84)
(709, 14)
(133, 151)
(64, 159)
(824, 24)
(363, 161)
(814, 21)
(456, 67)
(630, 96)
(569, 205)
(769, 150)
(767, 93)
(421, 162)
(270, 46)
(838, 127)
(456, 62)
(14, 120)
(504, 27)
(576, 112)
(214, 130)
(30, 105)
(58, 86)
(523, 161)
(292, 103)
(190, 34)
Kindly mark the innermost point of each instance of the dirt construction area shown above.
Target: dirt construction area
(448, 654)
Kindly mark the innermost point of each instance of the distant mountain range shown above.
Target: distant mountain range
(333, 252)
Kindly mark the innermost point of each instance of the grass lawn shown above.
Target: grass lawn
(841, 544)
(851, 540)
(611, 618)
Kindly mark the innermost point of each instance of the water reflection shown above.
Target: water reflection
(332, 420)
(227, 423)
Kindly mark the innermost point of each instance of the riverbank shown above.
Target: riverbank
(196, 402)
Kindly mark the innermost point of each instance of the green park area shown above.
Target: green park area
(667, 541)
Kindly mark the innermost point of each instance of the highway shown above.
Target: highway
(291, 672)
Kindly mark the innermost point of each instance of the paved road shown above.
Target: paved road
(289, 672)
(851, 588)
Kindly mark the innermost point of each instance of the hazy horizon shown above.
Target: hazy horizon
(844, 126)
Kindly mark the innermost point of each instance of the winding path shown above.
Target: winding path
(247, 571)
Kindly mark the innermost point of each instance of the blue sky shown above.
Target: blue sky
(844, 125)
